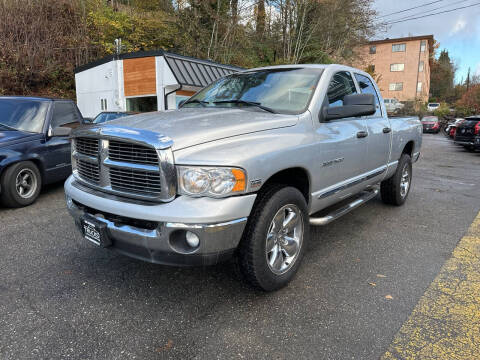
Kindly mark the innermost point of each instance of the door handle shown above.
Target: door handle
(362, 134)
(386, 130)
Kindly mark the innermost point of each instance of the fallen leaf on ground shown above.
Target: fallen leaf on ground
(168, 346)
(381, 276)
(389, 297)
(373, 284)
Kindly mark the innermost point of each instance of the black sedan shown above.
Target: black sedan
(468, 133)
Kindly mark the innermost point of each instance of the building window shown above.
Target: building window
(421, 66)
(423, 45)
(373, 49)
(103, 104)
(398, 47)
(397, 67)
(142, 104)
(419, 87)
(396, 87)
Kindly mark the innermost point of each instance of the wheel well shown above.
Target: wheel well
(37, 163)
(408, 149)
(295, 177)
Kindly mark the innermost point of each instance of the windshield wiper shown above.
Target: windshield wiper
(7, 127)
(196, 101)
(251, 103)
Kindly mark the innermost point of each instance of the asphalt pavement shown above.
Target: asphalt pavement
(61, 297)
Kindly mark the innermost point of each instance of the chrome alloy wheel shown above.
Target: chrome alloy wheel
(26, 183)
(405, 181)
(284, 239)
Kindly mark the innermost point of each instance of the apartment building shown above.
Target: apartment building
(401, 66)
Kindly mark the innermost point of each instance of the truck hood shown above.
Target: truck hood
(189, 127)
(14, 136)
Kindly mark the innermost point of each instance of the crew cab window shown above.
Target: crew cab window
(341, 85)
(65, 114)
(366, 87)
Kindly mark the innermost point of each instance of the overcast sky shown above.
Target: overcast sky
(457, 31)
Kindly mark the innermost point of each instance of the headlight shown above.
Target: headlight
(210, 181)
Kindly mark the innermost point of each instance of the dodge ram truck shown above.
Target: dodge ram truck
(242, 169)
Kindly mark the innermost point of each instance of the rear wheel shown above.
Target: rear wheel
(274, 240)
(395, 190)
(21, 184)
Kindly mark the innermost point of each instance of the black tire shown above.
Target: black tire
(391, 189)
(252, 250)
(10, 197)
(470, 148)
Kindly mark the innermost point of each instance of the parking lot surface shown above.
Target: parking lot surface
(61, 297)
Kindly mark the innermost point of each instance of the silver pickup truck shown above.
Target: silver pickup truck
(243, 168)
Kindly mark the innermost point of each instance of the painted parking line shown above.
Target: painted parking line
(445, 324)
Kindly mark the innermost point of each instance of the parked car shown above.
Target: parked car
(241, 169)
(110, 115)
(468, 133)
(431, 124)
(451, 128)
(431, 107)
(34, 145)
(393, 105)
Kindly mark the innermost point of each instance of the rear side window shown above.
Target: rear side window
(366, 87)
(64, 114)
(341, 85)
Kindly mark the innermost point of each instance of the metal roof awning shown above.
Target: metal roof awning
(195, 72)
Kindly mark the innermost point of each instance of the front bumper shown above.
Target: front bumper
(156, 232)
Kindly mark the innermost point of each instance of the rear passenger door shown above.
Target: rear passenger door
(379, 132)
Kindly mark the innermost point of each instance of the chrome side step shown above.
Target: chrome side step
(364, 197)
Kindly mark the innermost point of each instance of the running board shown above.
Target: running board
(335, 214)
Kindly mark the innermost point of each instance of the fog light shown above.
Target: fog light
(192, 239)
(69, 201)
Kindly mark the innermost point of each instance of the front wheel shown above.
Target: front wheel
(395, 190)
(274, 241)
(21, 184)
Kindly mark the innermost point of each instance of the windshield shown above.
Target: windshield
(287, 91)
(23, 115)
(103, 117)
(434, 105)
(430, 119)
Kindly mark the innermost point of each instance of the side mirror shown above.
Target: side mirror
(59, 131)
(353, 105)
(180, 104)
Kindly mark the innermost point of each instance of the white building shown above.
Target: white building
(142, 81)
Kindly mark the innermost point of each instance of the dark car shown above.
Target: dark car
(34, 145)
(110, 115)
(431, 124)
(468, 133)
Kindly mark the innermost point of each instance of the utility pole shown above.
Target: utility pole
(468, 79)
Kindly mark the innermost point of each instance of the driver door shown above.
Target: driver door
(342, 144)
(58, 156)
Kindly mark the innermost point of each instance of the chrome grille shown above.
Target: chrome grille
(138, 181)
(88, 171)
(137, 165)
(132, 153)
(87, 146)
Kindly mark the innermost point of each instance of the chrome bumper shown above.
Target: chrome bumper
(161, 241)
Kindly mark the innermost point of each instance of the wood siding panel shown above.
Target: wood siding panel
(139, 76)
(185, 93)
